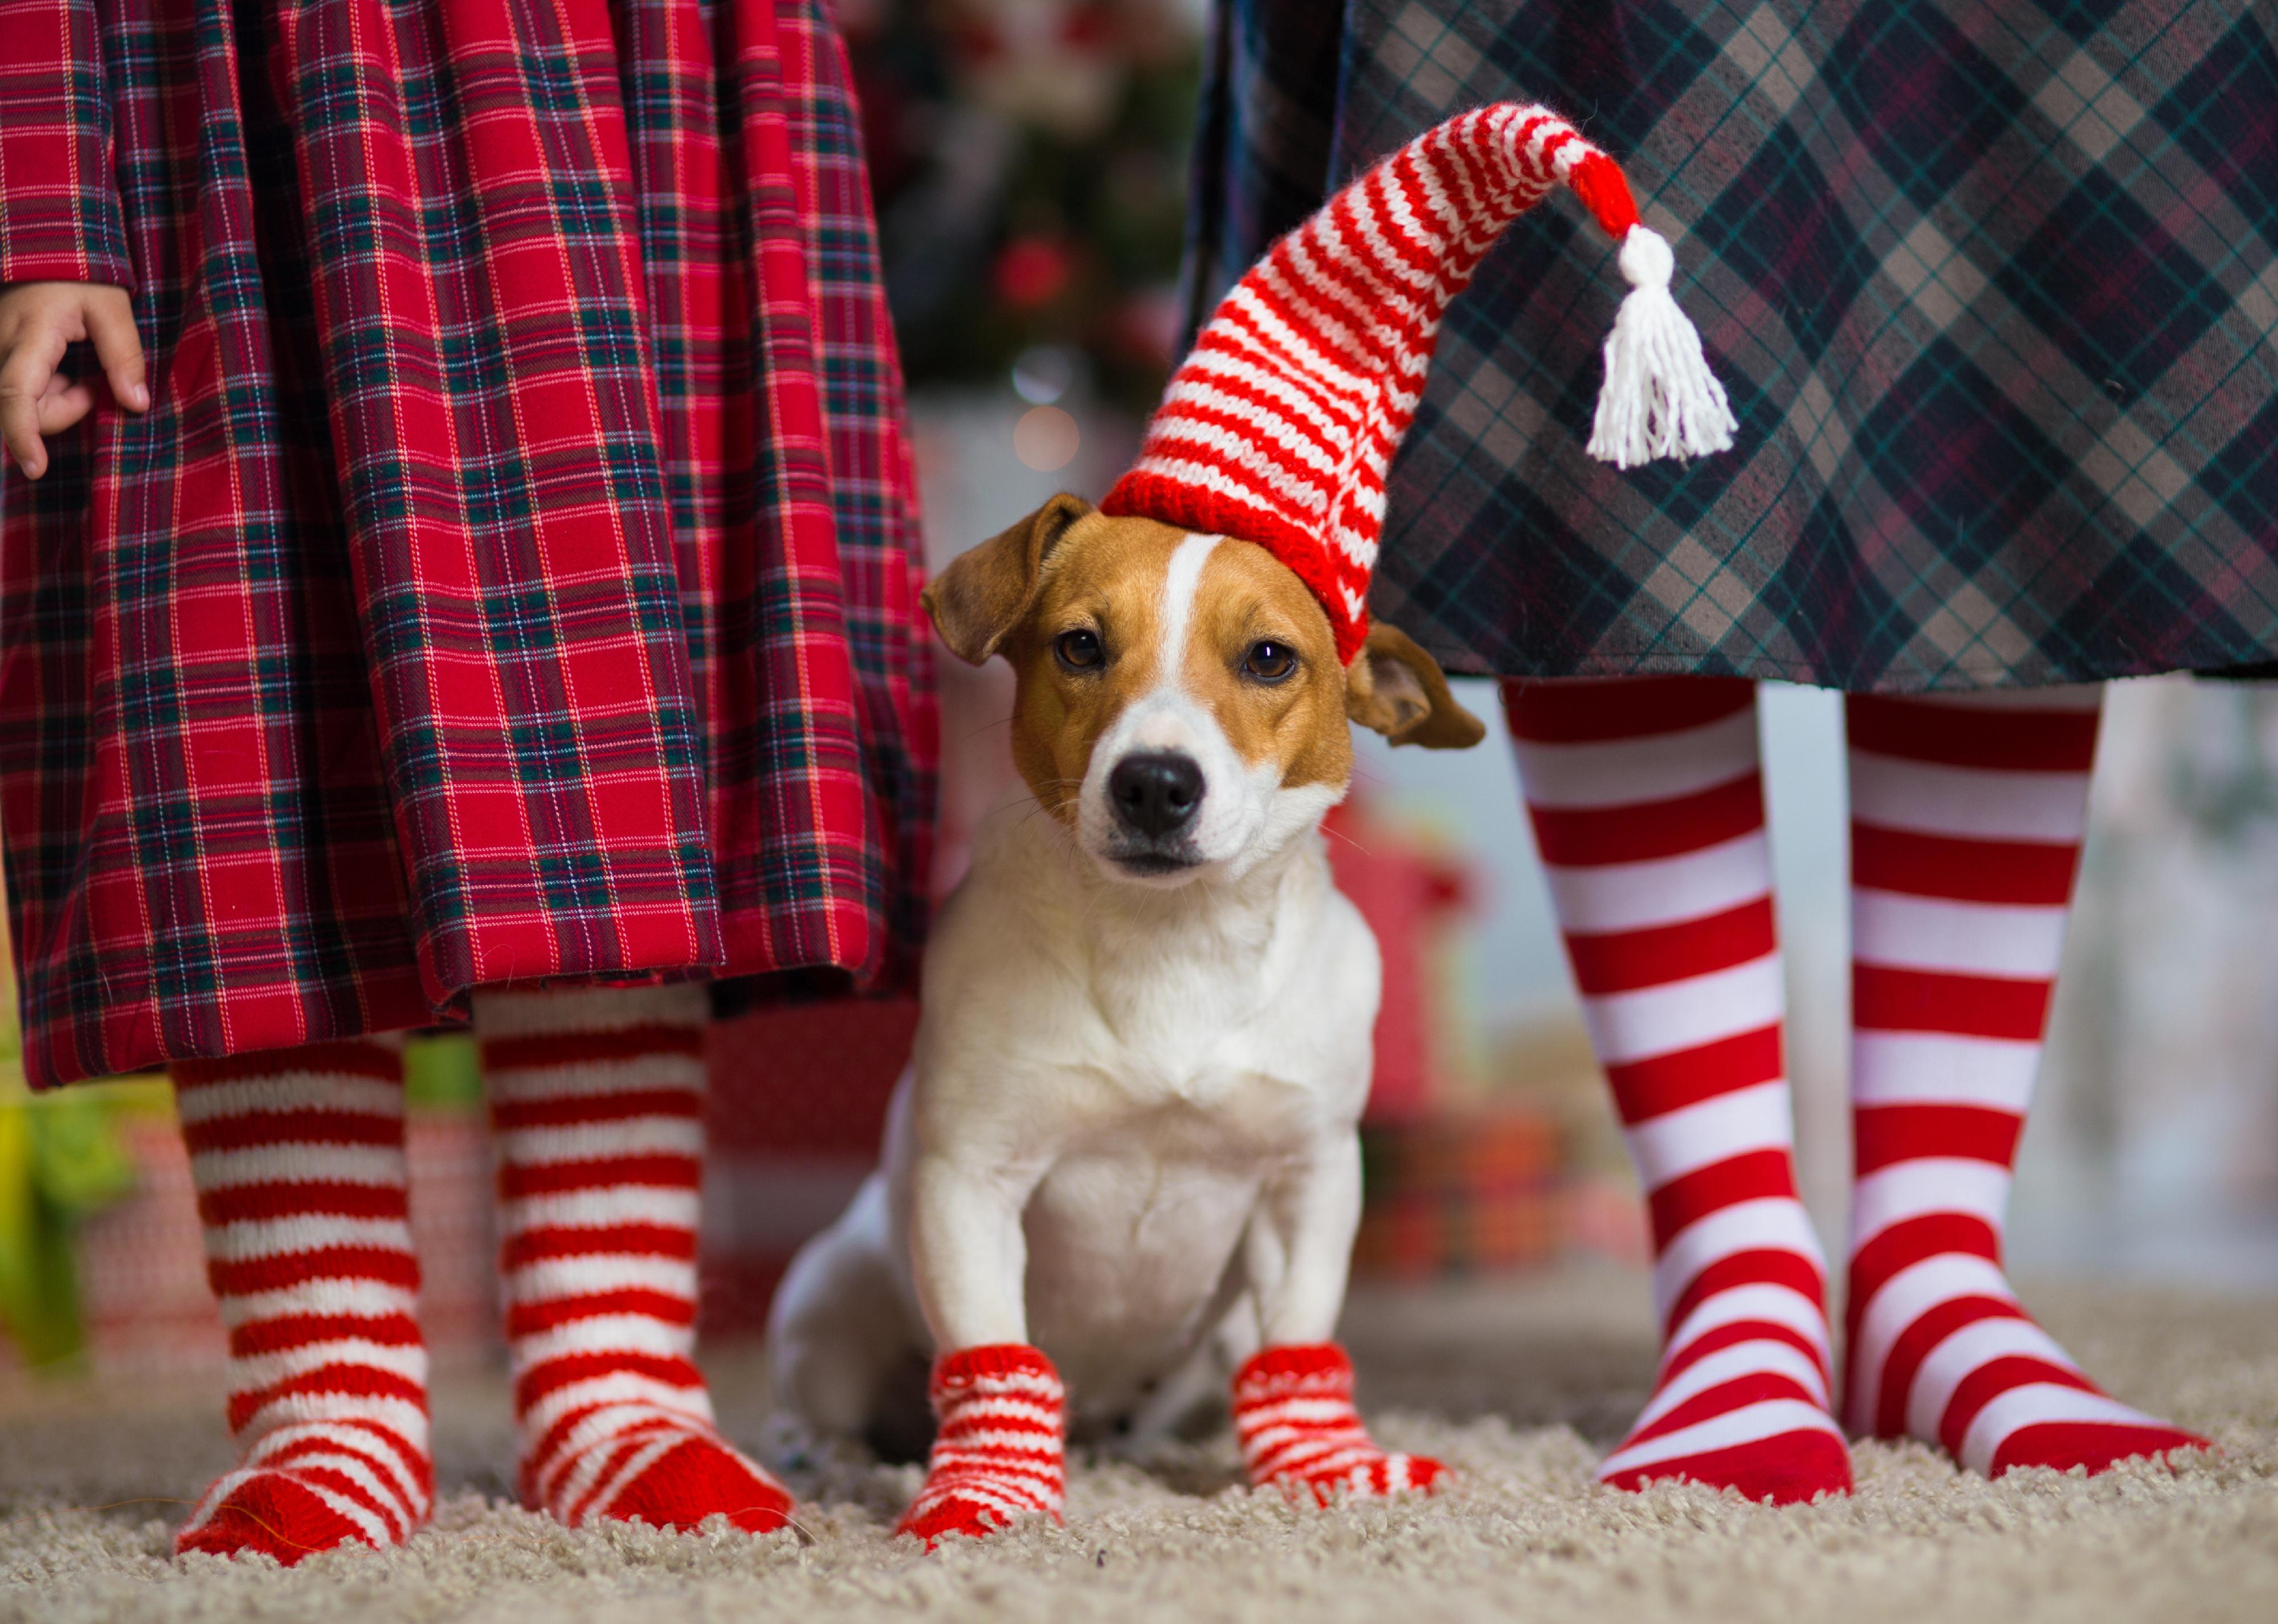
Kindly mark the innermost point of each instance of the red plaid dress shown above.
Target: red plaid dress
(514, 577)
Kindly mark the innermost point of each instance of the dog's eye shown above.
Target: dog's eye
(1269, 661)
(1078, 650)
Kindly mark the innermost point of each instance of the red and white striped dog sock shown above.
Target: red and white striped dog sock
(1647, 806)
(297, 1156)
(1967, 815)
(999, 1452)
(1294, 1414)
(597, 1104)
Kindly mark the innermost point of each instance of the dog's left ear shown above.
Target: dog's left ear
(1394, 688)
(983, 596)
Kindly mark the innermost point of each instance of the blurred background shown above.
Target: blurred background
(1029, 160)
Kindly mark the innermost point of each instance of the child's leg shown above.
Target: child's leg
(1647, 805)
(298, 1160)
(597, 1102)
(1966, 822)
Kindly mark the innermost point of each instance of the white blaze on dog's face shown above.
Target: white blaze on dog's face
(1181, 708)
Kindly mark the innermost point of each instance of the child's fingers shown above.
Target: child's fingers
(63, 403)
(24, 371)
(109, 317)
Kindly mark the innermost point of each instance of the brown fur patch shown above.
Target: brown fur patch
(1246, 597)
(1104, 576)
(1108, 576)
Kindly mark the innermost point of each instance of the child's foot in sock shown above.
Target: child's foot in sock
(1966, 816)
(1944, 1352)
(1647, 806)
(1293, 1411)
(1741, 1398)
(305, 1490)
(998, 1453)
(298, 1160)
(597, 1103)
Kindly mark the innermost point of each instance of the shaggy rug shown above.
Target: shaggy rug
(1514, 1386)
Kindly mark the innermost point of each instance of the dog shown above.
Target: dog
(1129, 1132)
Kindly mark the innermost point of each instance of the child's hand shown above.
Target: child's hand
(37, 319)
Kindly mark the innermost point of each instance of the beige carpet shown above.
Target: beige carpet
(1516, 1387)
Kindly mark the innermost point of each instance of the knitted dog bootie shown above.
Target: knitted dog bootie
(1293, 1411)
(1000, 1455)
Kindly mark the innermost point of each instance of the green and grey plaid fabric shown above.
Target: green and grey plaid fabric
(1993, 286)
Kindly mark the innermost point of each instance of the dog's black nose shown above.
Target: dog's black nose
(1156, 794)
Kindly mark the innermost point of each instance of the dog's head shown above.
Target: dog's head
(1181, 708)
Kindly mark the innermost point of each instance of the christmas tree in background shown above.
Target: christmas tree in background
(1028, 159)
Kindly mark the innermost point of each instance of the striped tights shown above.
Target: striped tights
(1967, 819)
(298, 1161)
(597, 1110)
(1647, 805)
(1966, 822)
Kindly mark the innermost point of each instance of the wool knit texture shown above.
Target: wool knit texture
(1646, 798)
(1293, 1417)
(297, 1157)
(999, 1449)
(597, 1103)
(1966, 815)
(1280, 425)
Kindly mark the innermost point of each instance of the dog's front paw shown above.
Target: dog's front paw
(1364, 1472)
(974, 1510)
(1293, 1410)
(998, 1454)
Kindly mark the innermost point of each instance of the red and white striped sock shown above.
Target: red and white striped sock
(1294, 1414)
(998, 1451)
(597, 1104)
(1647, 805)
(297, 1156)
(1966, 821)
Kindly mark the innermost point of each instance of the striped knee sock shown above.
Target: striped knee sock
(998, 1449)
(1966, 822)
(597, 1104)
(298, 1160)
(1647, 805)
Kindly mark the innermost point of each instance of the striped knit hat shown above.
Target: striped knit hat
(1280, 425)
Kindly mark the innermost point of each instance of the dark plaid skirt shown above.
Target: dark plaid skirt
(514, 578)
(1993, 286)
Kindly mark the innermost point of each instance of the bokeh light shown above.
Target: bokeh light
(1046, 439)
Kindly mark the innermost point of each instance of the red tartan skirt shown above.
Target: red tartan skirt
(515, 576)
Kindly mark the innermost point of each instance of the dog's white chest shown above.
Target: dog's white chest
(1201, 1075)
(1132, 1230)
(1147, 1070)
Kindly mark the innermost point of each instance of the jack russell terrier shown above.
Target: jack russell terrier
(1127, 1140)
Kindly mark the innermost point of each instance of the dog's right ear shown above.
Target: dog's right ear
(1399, 690)
(987, 591)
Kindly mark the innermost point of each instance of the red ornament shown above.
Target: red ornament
(1032, 272)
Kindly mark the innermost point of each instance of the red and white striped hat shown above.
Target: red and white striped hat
(1278, 427)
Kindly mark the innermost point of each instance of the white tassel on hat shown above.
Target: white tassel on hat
(1659, 399)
